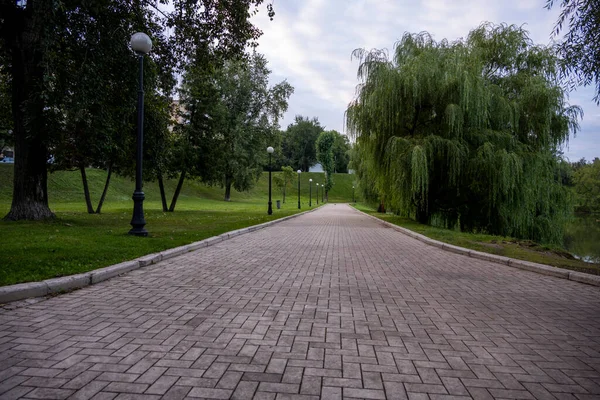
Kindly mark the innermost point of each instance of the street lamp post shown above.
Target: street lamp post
(270, 210)
(299, 189)
(141, 44)
(317, 193)
(310, 192)
(353, 198)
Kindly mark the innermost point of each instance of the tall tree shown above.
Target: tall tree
(35, 38)
(341, 153)
(579, 47)
(6, 124)
(287, 176)
(325, 146)
(587, 186)
(299, 142)
(466, 132)
(99, 116)
(243, 119)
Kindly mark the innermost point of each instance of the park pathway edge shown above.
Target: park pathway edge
(64, 284)
(511, 262)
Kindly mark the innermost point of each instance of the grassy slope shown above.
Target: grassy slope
(66, 191)
(77, 242)
(507, 247)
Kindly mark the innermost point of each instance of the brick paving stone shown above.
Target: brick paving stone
(89, 390)
(210, 393)
(330, 304)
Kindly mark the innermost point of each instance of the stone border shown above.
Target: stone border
(511, 262)
(64, 284)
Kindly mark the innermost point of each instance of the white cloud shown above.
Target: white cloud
(309, 43)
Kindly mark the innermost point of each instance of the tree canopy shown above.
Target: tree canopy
(325, 145)
(56, 53)
(465, 132)
(299, 140)
(243, 113)
(579, 48)
(586, 179)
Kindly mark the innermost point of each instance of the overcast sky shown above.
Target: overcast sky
(310, 42)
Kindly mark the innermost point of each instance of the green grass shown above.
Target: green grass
(502, 246)
(77, 242)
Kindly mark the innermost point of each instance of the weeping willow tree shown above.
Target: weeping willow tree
(465, 133)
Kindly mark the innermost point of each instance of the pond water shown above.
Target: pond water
(582, 237)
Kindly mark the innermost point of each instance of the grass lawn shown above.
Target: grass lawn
(77, 242)
(502, 246)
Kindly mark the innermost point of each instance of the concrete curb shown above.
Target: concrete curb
(511, 262)
(64, 284)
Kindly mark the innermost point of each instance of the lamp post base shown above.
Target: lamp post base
(270, 210)
(138, 222)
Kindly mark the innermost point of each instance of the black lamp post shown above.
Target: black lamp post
(141, 44)
(310, 192)
(317, 193)
(270, 210)
(353, 198)
(299, 189)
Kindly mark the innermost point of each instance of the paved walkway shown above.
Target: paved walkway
(329, 304)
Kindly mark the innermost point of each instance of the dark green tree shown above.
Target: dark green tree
(243, 120)
(325, 146)
(579, 47)
(6, 121)
(37, 39)
(299, 142)
(341, 153)
(466, 133)
(587, 186)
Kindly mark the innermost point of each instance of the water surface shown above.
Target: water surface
(582, 237)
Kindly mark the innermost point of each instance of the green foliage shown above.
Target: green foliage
(465, 133)
(74, 76)
(579, 47)
(341, 152)
(325, 144)
(235, 122)
(587, 186)
(283, 180)
(298, 145)
(6, 123)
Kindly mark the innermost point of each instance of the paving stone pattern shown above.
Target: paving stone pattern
(331, 304)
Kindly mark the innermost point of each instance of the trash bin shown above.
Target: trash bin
(278, 204)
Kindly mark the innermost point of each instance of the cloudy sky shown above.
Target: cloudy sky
(309, 43)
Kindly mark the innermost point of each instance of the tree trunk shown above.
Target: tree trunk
(30, 186)
(163, 196)
(228, 182)
(381, 208)
(284, 195)
(177, 190)
(86, 190)
(101, 202)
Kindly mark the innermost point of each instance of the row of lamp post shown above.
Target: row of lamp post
(270, 150)
(141, 45)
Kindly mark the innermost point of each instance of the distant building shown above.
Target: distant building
(316, 168)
